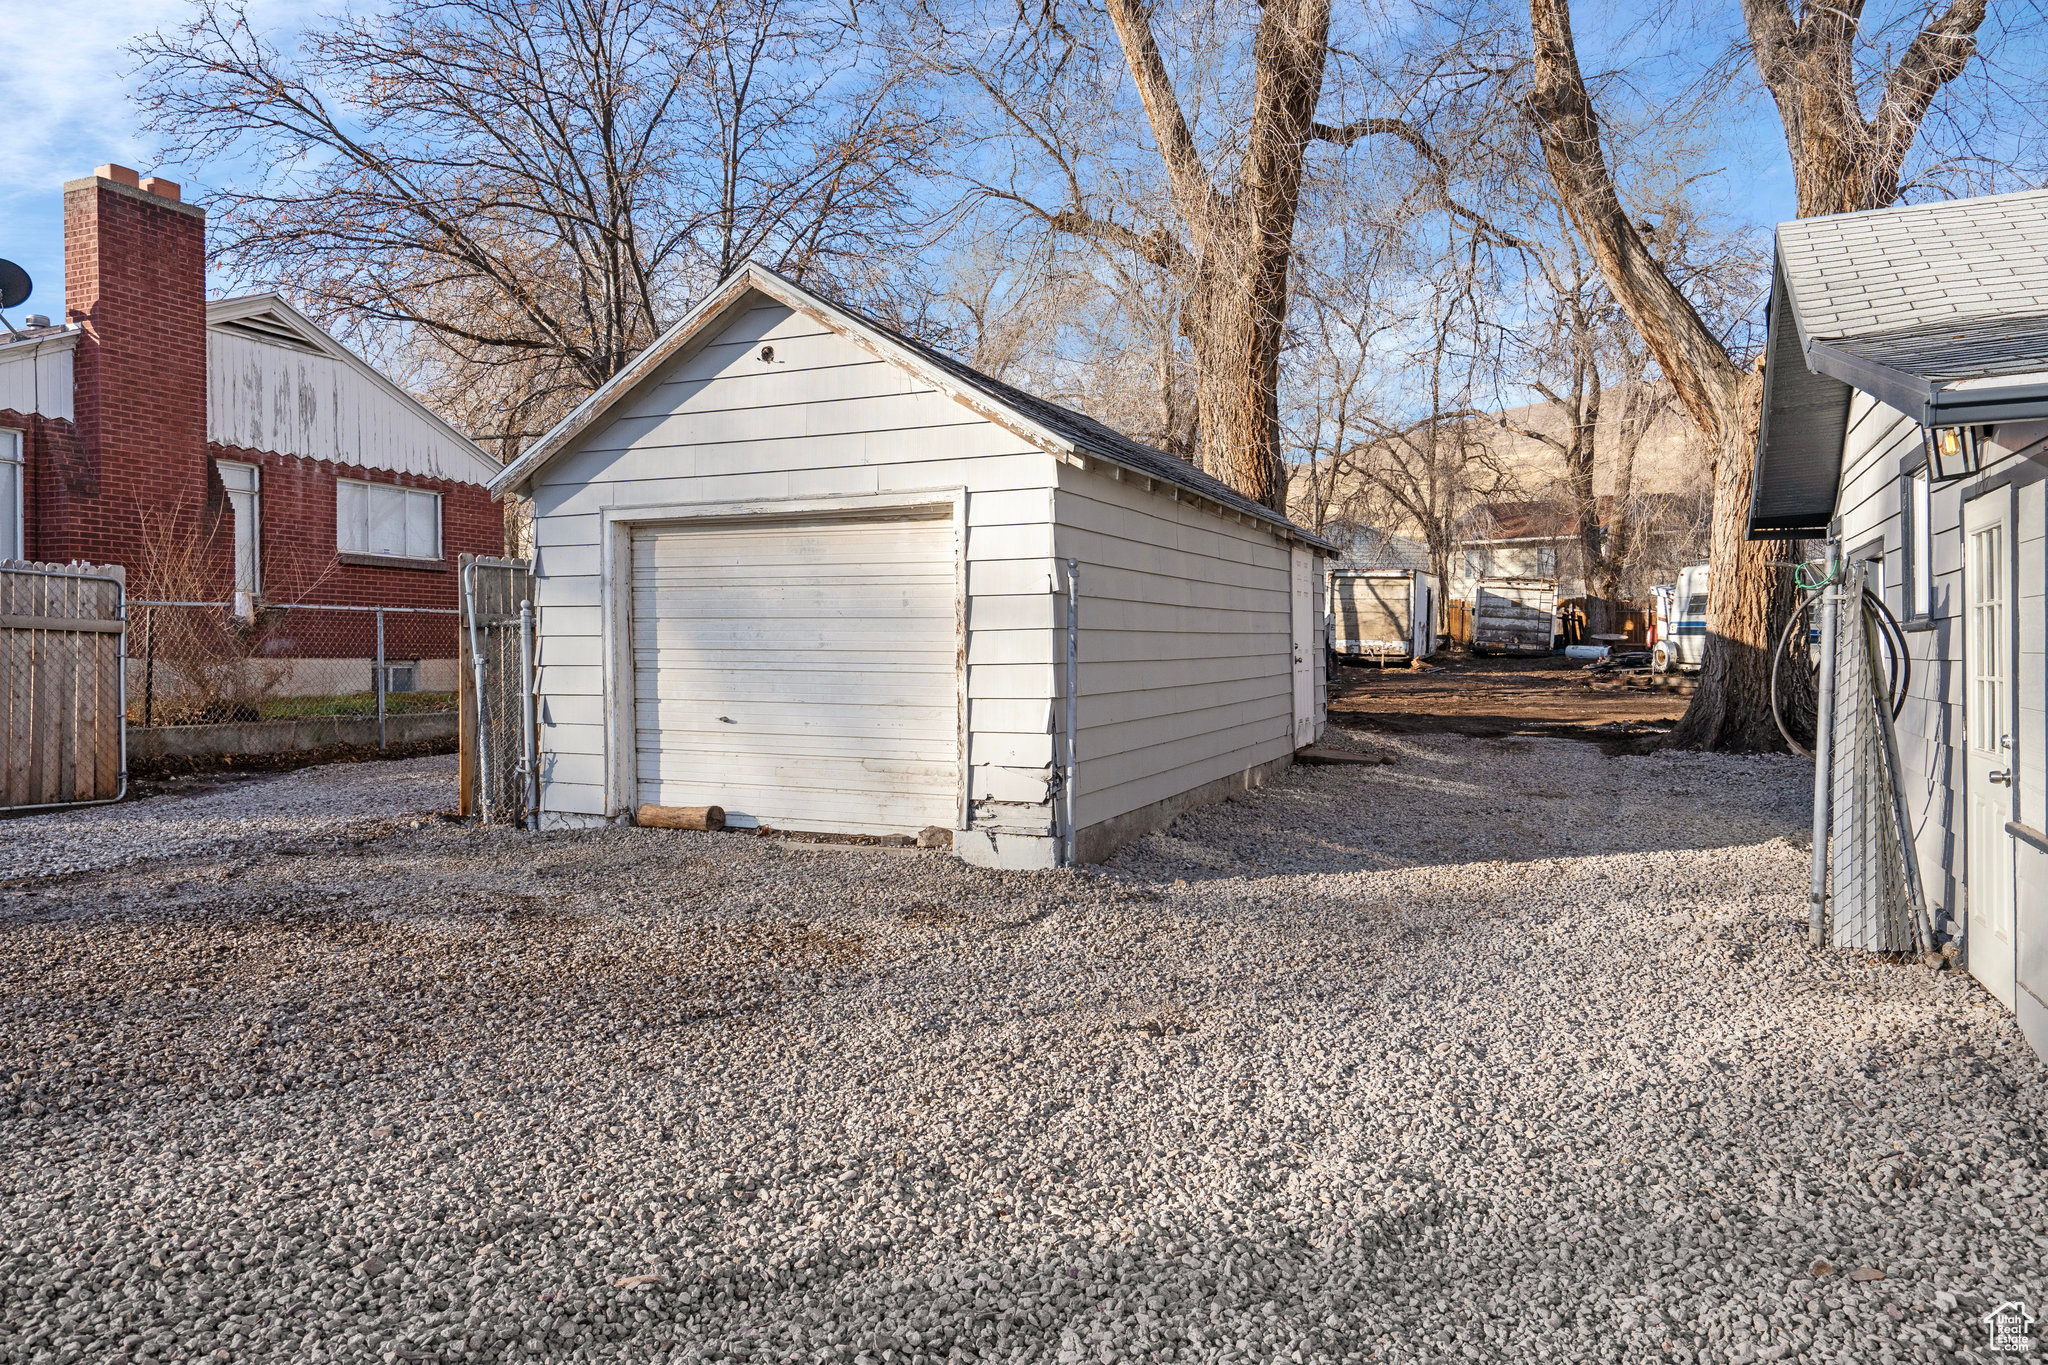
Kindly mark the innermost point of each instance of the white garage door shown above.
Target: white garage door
(799, 673)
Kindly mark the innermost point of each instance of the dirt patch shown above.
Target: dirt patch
(1491, 698)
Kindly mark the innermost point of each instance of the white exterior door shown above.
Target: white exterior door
(1988, 755)
(803, 674)
(1303, 567)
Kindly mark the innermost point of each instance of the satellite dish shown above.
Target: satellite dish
(14, 285)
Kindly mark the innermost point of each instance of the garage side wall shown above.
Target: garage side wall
(1185, 651)
(822, 418)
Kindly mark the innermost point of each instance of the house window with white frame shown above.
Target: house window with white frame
(385, 519)
(13, 492)
(244, 483)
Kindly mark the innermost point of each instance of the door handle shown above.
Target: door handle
(2003, 777)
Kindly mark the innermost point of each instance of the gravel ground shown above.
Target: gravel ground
(1504, 1051)
(217, 814)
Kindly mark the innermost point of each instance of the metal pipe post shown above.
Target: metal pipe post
(149, 667)
(383, 677)
(531, 786)
(1073, 749)
(476, 668)
(1824, 748)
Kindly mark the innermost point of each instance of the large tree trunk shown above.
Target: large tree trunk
(1237, 379)
(1243, 236)
(1731, 709)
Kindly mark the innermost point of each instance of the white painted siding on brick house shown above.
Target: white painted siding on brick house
(35, 376)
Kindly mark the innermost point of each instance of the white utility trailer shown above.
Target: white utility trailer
(1514, 616)
(1678, 631)
(1382, 615)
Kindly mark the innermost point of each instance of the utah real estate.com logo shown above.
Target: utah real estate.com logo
(2010, 1327)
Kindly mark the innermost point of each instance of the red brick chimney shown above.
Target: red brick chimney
(135, 276)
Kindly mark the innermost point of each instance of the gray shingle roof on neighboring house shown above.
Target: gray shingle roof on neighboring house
(1938, 310)
(1368, 547)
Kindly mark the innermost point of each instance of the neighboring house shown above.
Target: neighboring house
(1367, 547)
(1906, 413)
(795, 565)
(1515, 540)
(231, 450)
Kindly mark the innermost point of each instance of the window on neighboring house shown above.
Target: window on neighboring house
(11, 496)
(243, 483)
(1919, 546)
(384, 519)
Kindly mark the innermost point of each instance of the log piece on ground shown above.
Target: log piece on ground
(680, 817)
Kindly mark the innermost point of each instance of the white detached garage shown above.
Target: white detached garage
(795, 565)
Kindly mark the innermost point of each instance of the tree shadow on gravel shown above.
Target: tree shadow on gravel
(1446, 801)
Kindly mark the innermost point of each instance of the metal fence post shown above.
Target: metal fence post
(382, 677)
(1824, 750)
(1073, 749)
(149, 667)
(530, 787)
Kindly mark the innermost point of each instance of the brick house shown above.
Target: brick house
(230, 450)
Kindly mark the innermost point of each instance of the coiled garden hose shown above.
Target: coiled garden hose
(1898, 666)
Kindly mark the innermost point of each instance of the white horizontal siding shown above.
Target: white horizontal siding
(721, 426)
(1881, 445)
(1186, 647)
(265, 396)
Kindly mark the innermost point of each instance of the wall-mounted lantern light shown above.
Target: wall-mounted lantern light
(1952, 452)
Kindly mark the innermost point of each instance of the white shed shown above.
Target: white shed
(798, 566)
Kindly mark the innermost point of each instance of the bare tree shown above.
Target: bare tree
(1427, 470)
(1844, 162)
(1604, 404)
(526, 191)
(1212, 205)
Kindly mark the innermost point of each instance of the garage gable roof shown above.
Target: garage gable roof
(1052, 428)
(1937, 310)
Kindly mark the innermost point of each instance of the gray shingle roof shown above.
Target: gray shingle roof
(1058, 424)
(1937, 310)
(1926, 266)
(1087, 434)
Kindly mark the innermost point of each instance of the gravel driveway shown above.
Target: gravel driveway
(1504, 1051)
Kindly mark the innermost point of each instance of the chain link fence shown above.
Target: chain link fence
(208, 663)
(1877, 903)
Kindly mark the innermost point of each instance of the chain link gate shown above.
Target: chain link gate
(499, 781)
(1877, 903)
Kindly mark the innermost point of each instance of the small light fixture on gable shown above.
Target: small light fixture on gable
(767, 354)
(1952, 452)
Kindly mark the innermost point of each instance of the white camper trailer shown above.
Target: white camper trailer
(1382, 615)
(1678, 631)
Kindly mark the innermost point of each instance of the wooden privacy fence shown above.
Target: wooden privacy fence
(498, 741)
(1629, 620)
(1458, 622)
(62, 698)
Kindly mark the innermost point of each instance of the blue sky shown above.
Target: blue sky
(65, 108)
(64, 103)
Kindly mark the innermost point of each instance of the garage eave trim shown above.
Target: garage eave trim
(756, 278)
